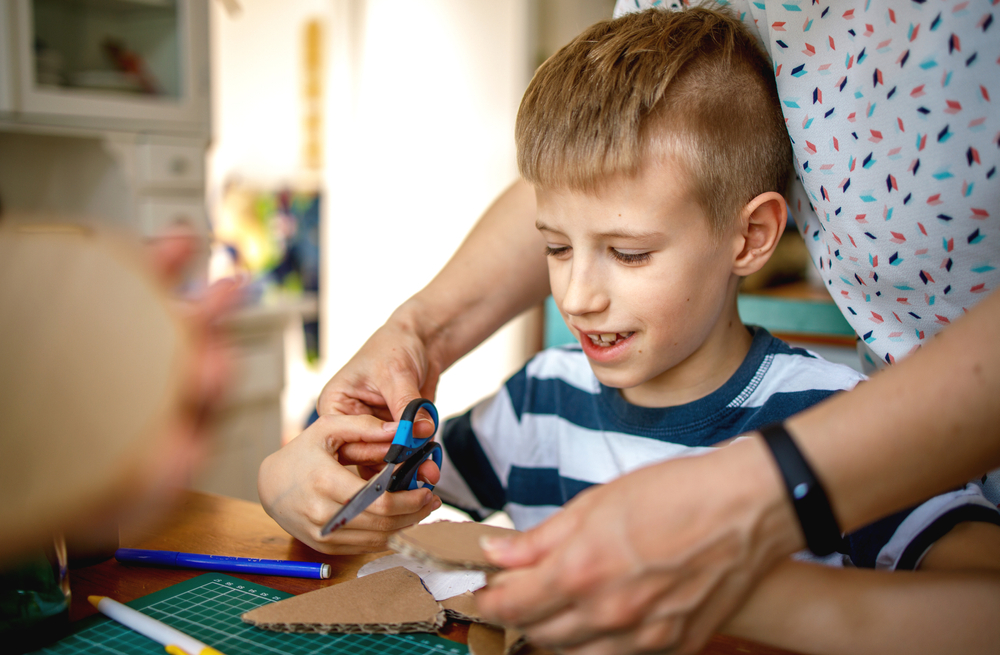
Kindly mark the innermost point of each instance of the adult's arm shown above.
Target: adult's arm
(498, 272)
(949, 608)
(663, 556)
(926, 424)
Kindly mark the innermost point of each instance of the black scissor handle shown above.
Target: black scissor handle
(405, 477)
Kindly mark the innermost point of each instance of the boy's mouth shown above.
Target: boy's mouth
(608, 339)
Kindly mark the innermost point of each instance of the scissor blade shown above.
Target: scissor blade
(361, 500)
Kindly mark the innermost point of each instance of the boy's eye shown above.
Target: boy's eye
(630, 257)
(555, 251)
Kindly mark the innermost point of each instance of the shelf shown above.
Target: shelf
(798, 312)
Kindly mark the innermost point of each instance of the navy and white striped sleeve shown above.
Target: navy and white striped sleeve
(474, 461)
(899, 542)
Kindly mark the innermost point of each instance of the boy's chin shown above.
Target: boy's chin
(616, 379)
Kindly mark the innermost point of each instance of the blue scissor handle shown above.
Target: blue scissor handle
(404, 444)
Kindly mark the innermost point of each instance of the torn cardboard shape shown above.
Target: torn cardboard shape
(491, 640)
(463, 608)
(441, 584)
(389, 602)
(448, 545)
(486, 640)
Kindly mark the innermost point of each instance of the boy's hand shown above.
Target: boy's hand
(652, 562)
(305, 483)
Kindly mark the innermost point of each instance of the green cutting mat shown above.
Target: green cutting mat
(208, 608)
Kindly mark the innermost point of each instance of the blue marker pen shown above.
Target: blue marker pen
(222, 563)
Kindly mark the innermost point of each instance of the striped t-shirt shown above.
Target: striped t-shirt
(553, 430)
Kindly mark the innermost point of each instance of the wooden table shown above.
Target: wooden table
(206, 523)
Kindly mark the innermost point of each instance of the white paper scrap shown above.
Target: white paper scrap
(441, 584)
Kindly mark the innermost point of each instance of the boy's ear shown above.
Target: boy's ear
(763, 222)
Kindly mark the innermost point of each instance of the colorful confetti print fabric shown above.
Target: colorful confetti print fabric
(892, 110)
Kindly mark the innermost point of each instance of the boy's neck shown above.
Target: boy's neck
(703, 372)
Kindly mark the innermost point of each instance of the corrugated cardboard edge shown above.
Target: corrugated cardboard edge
(463, 608)
(353, 628)
(409, 543)
(386, 590)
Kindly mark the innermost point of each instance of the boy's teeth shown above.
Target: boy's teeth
(608, 339)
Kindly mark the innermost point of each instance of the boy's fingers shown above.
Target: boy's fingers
(342, 429)
(429, 472)
(400, 503)
(378, 523)
(362, 535)
(363, 453)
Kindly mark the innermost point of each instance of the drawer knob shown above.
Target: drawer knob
(179, 165)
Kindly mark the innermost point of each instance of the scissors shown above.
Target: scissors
(406, 451)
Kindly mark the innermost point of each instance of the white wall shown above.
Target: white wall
(420, 105)
(423, 101)
(256, 95)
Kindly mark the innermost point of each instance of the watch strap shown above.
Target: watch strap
(812, 506)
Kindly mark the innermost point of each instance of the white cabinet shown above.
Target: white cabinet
(249, 424)
(105, 112)
(139, 65)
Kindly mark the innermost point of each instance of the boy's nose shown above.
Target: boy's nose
(585, 292)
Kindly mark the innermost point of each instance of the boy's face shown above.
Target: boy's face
(645, 285)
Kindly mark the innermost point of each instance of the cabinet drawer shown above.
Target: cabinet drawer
(258, 370)
(172, 166)
(158, 214)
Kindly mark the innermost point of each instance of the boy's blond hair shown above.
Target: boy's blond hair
(692, 83)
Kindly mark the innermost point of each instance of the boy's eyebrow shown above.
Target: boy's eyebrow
(620, 233)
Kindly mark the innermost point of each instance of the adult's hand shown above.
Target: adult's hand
(393, 367)
(460, 308)
(654, 561)
(305, 483)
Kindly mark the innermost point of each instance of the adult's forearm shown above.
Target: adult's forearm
(498, 272)
(824, 611)
(924, 425)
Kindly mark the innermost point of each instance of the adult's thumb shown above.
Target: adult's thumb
(528, 548)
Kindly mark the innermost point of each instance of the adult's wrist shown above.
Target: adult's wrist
(776, 530)
(805, 491)
(428, 323)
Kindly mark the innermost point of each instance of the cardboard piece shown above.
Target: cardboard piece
(441, 584)
(462, 608)
(486, 640)
(515, 643)
(493, 640)
(92, 363)
(389, 602)
(447, 545)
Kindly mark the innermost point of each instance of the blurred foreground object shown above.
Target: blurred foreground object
(92, 361)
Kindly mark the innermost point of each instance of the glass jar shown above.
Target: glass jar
(35, 598)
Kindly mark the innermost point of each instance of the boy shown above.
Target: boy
(658, 154)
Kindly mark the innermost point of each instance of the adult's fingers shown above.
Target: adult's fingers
(529, 547)
(655, 560)
(533, 590)
(170, 254)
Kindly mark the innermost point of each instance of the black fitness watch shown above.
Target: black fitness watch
(812, 506)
